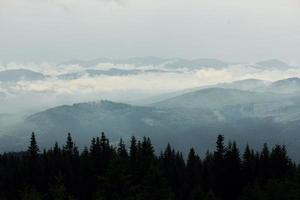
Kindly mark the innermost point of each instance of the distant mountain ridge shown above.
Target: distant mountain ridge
(182, 119)
(273, 64)
(155, 61)
(214, 98)
(173, 63)
(13, 75)
(109, 72)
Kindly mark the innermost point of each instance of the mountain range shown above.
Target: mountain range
(131, 66)
(269, 112)
(14, 75)
(153, 61)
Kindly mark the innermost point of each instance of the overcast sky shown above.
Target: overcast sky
(232, 30)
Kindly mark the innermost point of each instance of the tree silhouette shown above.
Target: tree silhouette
(113, 172)
(33, 149)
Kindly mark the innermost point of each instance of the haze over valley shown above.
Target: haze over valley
(171, 100)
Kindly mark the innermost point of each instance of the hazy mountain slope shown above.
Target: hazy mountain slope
(215, 98)
(171, 63)
(181, 126)
(19, 74)
(247, 84)
(109, 72)
(118, 119)
(290, 85)
(194, 118)
(273, 64)
(137, 61)
(197, 63)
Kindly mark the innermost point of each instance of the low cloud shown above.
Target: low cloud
(127, 88)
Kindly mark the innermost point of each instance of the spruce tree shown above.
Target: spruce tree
(33, 149)
(220, 149)
(122, 152)
(133, 148)
(69, 147)
(193, 175)
(219, 182)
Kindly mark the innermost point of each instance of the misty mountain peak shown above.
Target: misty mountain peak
(12, 75)
(274, 64)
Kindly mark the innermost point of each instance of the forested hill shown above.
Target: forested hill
(113, 172)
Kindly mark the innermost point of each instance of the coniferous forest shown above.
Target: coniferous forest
(113, 172)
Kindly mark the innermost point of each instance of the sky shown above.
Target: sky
(231, 30)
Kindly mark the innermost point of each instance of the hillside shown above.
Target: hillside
(19, 75)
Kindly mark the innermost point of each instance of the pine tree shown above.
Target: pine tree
(33, 149)
(133, 148)
(248, 165)
(69, 147)
(56, 149)
(220, 149)
(264, 162)
(193, 173)
(279, 161)
(219, 175)
(122, 152)
(104, 143)
(232, 174)
(93, 147)
(147, 149)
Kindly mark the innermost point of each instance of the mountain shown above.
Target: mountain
(112, 72)
(273, 64)
(170, 63)
(117, 119)
(214, 98)
(109, 72)
(290, 85)
(14, 75)
(283, 86)
(194, 118)
(286, 86)
(137, 61)
(95, 72)
(247, 84)
(196, 64)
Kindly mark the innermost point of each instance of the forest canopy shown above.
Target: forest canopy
(104, 171)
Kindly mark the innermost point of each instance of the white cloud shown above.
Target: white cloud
(37, 95)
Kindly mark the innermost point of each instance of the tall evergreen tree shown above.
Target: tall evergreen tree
(248, 165)
(219, 170)
(264, 162)
(33, 149)
(194, 176)
(220, 149)
(69, 148)
(232, 175)
(122, 152)
(133, 148)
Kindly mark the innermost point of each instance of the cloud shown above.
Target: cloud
(154, 82)
(53, 91)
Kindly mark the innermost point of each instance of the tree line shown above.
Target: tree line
(114, 172)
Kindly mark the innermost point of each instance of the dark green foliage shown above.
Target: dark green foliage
(107, 172)
(33, 149)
